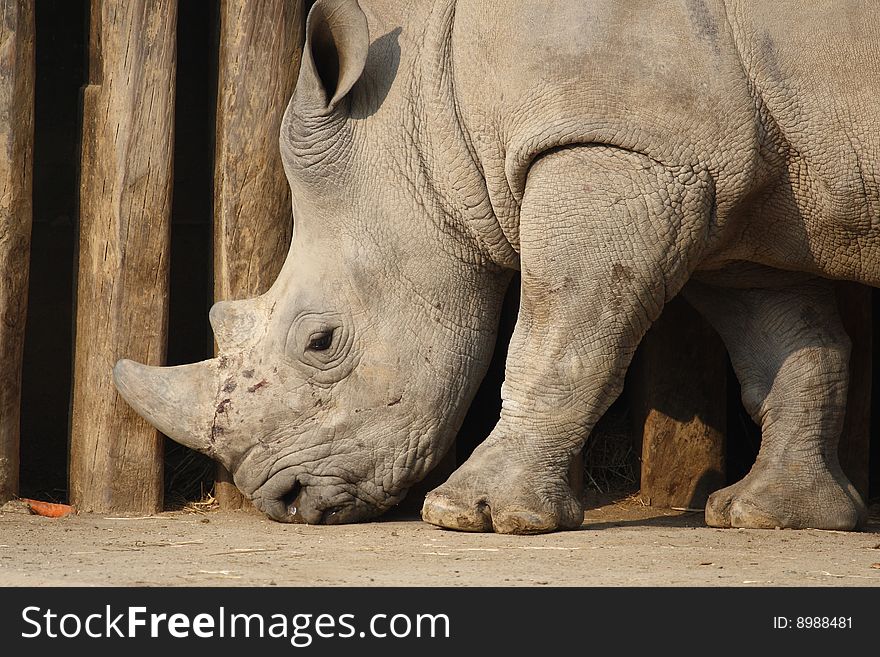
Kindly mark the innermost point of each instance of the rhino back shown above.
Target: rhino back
(779, 102)
(659, 77)
(815, 67)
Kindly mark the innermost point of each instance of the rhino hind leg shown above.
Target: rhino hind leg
(791, 355)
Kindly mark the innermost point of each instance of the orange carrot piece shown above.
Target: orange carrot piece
(48, 509)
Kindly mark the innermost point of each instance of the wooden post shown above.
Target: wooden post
(260, 48)
(16, 177)
(125, 208)
(677, 387)
(854, 302)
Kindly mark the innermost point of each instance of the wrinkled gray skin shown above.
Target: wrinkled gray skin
(610, 152)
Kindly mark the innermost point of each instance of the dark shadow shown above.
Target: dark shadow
(708, 483)
(684, 520)
(485, 409)
(188, 474)
(681, 328)
(383, 60)
(61, 42)
(743, 435)
(874, 467)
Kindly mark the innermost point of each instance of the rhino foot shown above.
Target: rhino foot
(502, 500)
(763, 500)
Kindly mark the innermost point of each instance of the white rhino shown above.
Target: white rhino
(614, 153)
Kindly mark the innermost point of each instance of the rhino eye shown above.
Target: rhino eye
(320, 341)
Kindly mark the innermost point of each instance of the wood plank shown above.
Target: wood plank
(677, 391)
(854, 302)
(16, 179)
(260, 47)
(122, 288)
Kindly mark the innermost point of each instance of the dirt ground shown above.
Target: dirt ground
(620, 543)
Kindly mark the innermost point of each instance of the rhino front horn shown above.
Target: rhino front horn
(176, 400)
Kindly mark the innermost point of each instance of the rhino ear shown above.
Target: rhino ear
(337, 42)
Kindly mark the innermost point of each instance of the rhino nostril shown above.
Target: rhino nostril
(330, 515)
(289, 498)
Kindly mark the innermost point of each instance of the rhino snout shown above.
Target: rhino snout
(290, 506)
(287, 499)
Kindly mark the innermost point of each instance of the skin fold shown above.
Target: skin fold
(615, 154)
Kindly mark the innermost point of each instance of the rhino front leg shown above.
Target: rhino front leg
(791, 355)
(606, 238)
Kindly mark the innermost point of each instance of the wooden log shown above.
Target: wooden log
(854, 302)
(122, 288)
(16, 178)
(677, 386)
(260, 48)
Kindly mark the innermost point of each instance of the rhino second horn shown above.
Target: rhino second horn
(175, 400)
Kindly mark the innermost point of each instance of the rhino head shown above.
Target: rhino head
(344, 383)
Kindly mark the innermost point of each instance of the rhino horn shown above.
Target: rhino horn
(178, 401)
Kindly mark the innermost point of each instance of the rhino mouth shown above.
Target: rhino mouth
(285, 498)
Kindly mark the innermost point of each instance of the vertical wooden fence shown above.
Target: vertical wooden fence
(122, 291)
(125, 218)
(677, 386)
(260, 47)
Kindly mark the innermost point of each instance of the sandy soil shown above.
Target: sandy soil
(620, 543)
